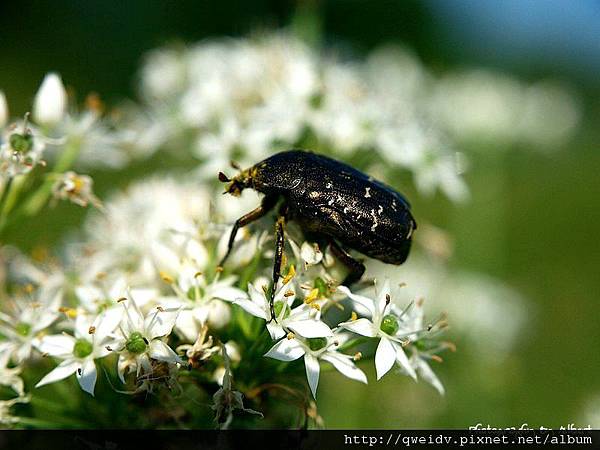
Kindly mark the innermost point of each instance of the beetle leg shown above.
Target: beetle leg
(356, 267)
(279, 244)
(267, 204)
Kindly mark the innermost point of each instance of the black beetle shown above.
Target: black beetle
(332, 202)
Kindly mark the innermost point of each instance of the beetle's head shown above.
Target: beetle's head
(236, 184)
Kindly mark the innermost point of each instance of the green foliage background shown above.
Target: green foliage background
(533, 220)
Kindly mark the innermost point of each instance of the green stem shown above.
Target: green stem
(5, 192)
(40, 197)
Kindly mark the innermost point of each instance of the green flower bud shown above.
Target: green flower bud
(136, 343)
(82, 348)
(389, 324)
(23, 328)
(21, 143)
(316, 343)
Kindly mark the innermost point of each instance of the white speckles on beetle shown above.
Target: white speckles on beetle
(367, 192)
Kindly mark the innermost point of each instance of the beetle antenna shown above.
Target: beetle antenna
(234, 165)
(223, 178)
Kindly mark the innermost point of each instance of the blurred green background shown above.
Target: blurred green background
(533, 220)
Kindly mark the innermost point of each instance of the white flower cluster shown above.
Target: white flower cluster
(244, 99)
(147, 289)
(55, 130)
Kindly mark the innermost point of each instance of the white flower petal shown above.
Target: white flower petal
(403, 360)
(229, 294)
(365, 302)
(310, 253)
(197, 253)
(107, 322)
(364, 327)
(88, 375)
(275, 330)
(50, 102)
(89, 296)
(162, 352)
(427, 374)
(187, 326)
(83, 322)
(122, 365)
(384, 291)
(286, 350)
(219, 314)
(312, 372)
(160, 322)
(345, 365)
(384, 357)
(59, 345)
(60, 372)
(252, 308)
(310, 328)
(258, 297)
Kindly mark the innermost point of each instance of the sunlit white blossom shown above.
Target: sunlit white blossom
(382, 325)
(313, 350)
(79, 351)
(31, 314)
(138, 339)
(302, 319)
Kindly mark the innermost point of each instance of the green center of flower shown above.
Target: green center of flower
(82, 348)
(21, 143)
(389, 324)
(136, 343)
(279, 306)
(321, 286)
(23, 328)
(316, 343)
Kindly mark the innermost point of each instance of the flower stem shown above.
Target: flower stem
(40, 197)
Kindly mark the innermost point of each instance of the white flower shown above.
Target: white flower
(50, 102)
(139, 338)
(182, 263)
(9, 376)
(75, 188)
(383, 325)
(122, 236)
(21, 149)
(303, 319)
(3, 110)
(103, 293)
(313, 350)
(30, 317)
(78, 352)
